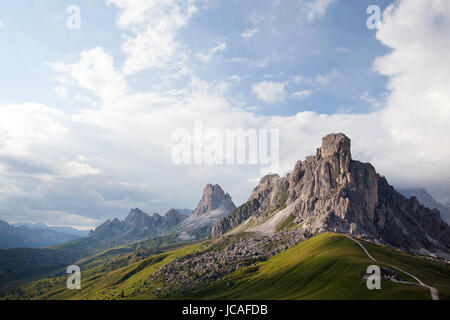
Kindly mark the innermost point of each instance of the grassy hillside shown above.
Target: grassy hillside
(327, 266)
(104, 276)
(432, 274)
(21, 266)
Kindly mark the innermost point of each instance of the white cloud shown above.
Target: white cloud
(235, 78)
(249, 33)
(28, 129)
(319, 79)
(417, 115)
(302, 94)
(256, 18)
(299, 79)
(256, 63)
(342, 50)
(77, 168)
(261, 63)
(85, 100)
(343, 109)
(206, 57)
(374, 102)
(62, 218)
(269, 91)
(315, 9)
(154, 25)
(327, 78)
(95, 71)
(61, 92)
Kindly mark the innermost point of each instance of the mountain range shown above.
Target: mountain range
(67, 230)
(177, 225)
(138, 225)
(328, 198)
(33, 235)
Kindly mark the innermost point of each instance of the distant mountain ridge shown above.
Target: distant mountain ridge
(68, 230)
(12, 236)
(138, 225)
(428, 201)
(332, 192)
(188, 225)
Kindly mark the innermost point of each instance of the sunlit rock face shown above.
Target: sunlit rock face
(332, 192)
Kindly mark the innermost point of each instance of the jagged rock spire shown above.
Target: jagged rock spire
(213, 197)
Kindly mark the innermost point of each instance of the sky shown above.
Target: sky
(91, 93)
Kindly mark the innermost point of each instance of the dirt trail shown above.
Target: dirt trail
(433, 291)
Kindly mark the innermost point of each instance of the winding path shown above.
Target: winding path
(434, 293)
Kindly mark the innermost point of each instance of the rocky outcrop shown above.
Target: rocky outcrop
(332, 192)
(224, 257)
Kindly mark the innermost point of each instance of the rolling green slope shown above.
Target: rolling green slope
(105, 276)
(53, 261)
(437, 276)
(327, 266)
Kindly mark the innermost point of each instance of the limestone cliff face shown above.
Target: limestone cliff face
(332, 192)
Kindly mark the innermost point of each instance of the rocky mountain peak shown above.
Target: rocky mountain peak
(214, 205)
(336, 151)
(335, 144)
(332, 192)
(137, 218)
(135, 214)
(213, 197)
